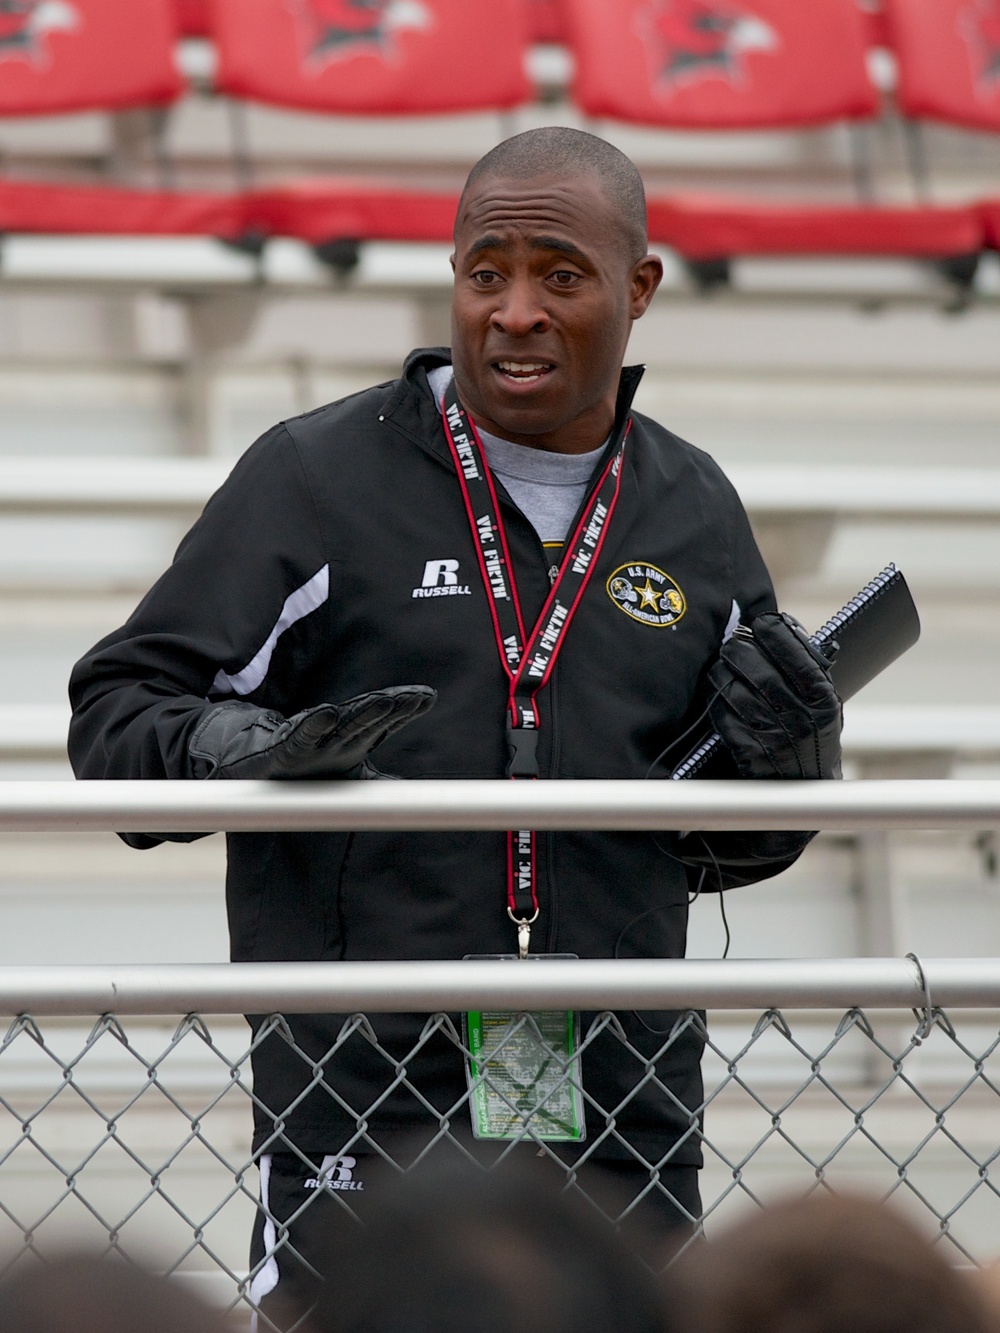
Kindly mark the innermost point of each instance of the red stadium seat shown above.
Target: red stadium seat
(352, 209)
(703, 228)
(949, 60)
(754, 64)
(721, 64)
(27, 206)
(876, 23)
(192, 17)
(82, 55)
(547, 21)
(381, 57)
(990, 213)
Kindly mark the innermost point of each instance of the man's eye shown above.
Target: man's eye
(485, 278)
(564, 277)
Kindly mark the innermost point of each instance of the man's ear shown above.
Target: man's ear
(451, 261)
(646, 276)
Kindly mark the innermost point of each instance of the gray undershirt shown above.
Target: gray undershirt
(548, 488)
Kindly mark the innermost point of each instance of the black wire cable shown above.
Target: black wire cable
(725, 924)
(721, 892)
(648, 775)
(696, 893)
(687, 731)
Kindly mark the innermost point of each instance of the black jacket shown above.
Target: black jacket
(304, 581)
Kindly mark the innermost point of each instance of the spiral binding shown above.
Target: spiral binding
(849, 613)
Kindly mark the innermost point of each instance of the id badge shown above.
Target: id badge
(523, 1072)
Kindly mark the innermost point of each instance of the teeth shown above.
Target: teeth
(523, 367)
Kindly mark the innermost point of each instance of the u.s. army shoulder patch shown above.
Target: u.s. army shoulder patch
(646, 594)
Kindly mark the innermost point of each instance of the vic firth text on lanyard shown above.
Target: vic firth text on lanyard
(527, 659)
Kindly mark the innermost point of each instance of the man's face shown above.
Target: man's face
(545, 296)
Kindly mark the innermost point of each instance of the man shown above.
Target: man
(497, 529)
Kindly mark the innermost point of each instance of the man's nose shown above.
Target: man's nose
(520, 311)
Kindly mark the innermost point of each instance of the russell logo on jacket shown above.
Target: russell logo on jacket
(335, 1173)
(441, 580)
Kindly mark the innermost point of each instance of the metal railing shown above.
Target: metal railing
(426, 987)
(134, 1129)
(134, 1134)
(199, 807)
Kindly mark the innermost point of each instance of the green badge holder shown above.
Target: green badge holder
(523, 1072)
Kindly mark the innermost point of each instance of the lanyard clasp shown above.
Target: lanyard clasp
(524, 924)
(522, 745)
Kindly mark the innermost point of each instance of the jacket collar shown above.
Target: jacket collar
(412, 409)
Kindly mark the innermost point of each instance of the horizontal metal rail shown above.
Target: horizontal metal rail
(197, 807)
(429, 987)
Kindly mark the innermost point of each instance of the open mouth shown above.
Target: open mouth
(523, 372)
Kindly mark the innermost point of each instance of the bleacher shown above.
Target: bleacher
(200, 236)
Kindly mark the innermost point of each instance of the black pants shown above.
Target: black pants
(303, 1206)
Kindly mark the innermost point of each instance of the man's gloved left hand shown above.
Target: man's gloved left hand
(777, 710)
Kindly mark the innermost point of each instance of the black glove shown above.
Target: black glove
(777, 712)
(238, 740)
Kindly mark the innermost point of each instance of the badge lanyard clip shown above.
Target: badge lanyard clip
(524, 924)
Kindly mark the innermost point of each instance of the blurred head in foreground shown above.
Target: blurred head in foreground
(83, 1293)
(463, 1250)
(825, 1264)
(987, 1282)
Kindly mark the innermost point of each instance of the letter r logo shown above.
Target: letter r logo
(440, 571)
(344, 1167)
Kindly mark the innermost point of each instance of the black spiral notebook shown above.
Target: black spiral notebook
(871, 631)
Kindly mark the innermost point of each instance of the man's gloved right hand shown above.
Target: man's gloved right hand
(238, 740)
(775, 706)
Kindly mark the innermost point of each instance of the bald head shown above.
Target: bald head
(559, 151)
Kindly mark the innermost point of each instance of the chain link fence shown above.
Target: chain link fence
(135, 1133)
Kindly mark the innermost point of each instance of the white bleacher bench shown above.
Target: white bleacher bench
(201, 266)
(33, 731)
(108, 485)
(958, 729)
(869, 492)
(38, 731)
(170, 485)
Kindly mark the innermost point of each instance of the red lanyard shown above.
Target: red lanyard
(527, 659)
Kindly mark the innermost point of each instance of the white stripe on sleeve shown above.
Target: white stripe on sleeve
(300, 603)
(734, 620)
(266, 1278)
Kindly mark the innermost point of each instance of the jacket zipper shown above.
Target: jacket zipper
(547, 858)
(553, 913)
